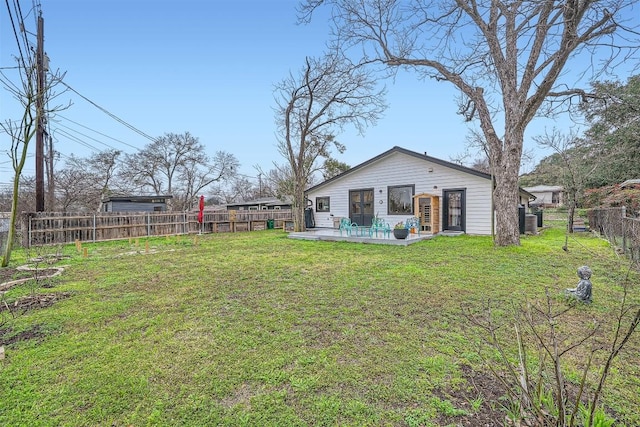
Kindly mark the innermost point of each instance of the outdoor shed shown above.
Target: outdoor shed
(261, 204)
(399, 184)
(135, 204)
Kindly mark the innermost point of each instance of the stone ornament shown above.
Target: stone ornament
(582, 292)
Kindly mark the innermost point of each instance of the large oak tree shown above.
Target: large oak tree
(509, 59)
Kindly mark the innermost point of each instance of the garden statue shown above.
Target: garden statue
(582, 292)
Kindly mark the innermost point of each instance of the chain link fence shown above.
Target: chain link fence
(621, 231)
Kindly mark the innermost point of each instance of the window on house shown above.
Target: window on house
(555, 197)
(322, 204)
(401, 200)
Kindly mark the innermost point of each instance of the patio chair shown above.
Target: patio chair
(413, 222)
(380, 225)
(346, 226)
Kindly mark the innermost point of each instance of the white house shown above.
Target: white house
(399, 184)
(547, 196)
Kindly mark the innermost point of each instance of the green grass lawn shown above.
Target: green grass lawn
(255, 329)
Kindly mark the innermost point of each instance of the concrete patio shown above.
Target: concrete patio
(334, 235)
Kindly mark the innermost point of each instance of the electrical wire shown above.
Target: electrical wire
(16, 5)
(76, 139)
(113, 116)
(99, 133)
(15, 33)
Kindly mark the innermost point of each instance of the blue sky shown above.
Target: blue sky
(207, 67)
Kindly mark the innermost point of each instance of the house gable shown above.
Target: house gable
(397, 149)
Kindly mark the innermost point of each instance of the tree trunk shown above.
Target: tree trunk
(298, 208)
(507, 192)
(12, 223)
(506, 204)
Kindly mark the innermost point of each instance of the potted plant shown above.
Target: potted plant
(400, 231)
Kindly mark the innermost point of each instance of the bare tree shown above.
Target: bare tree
(73, 192)
(198, 173)
(157, 165)
(507, 58)
(328, 94)
(34, 103)
(237, 189)
(85, 181)
(177, 165)
(572, 152)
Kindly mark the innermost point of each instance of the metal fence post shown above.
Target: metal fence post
(624, 231)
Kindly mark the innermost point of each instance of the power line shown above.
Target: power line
(99, 133)
(113, 116)
(16, 4)
(76, 139)
(15, 33)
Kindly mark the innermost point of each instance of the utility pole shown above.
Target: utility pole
(40, 119)
(49, 158)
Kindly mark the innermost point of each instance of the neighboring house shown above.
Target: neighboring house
(546, 196)
(261, 204)
(135, 204)
(399, 184)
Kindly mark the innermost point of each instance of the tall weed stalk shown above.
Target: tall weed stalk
(545, 335)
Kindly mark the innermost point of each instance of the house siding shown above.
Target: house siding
(134, 207)
(546, 198)
(402, 169)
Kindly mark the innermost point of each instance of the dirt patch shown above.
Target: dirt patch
(480, 399)
(10, 308)
(10, 277)
(30, 302)
(8, 274)
(7, 335)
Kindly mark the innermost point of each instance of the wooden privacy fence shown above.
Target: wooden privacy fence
(59, 228)
(622, 231)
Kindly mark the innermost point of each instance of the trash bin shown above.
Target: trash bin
(530, 224)
(521, 218)
(309, 221)
(269, 224)
(538, 213)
